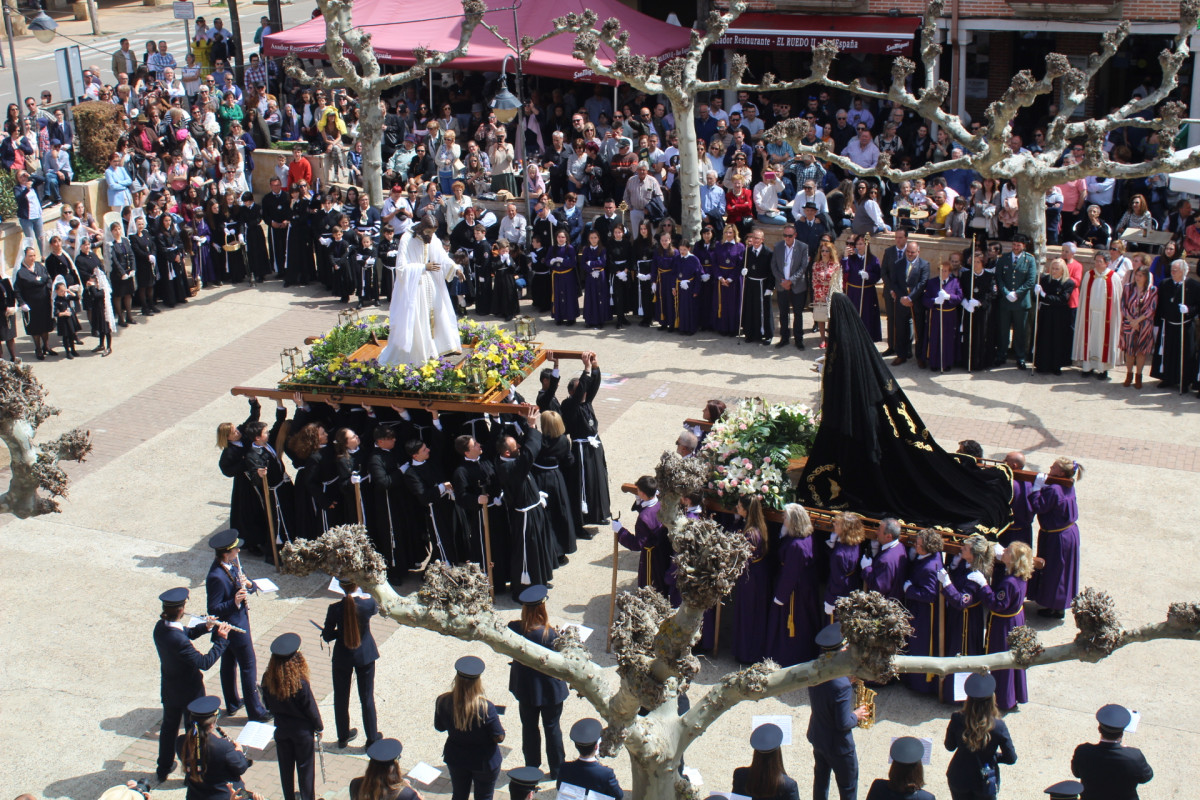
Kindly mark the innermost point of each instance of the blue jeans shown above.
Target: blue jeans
(771, 218)
(33, 229)
(445, 180)
(51, 192)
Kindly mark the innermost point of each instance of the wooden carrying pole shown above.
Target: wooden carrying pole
(612, 594)
(487, 549)
(271, 521)
(358, 506)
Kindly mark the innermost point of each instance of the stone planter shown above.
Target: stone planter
(264, 168)
(80, 10)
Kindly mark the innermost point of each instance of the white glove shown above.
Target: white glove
(943, 294)
(745, 272)
(623, 276)
(404, 415)
(371, 261)
(684, 284)
(998, 550)
(829, 609)
(976, 577)
(1183, 309)
(943, 577)
(482, 279)
(768, 293)
(1012, 297)
(1039, 482)
(325, 240)
(356, 479)
(556, 261)
(1039, 291)
(778, 602)
(832, 540)
(617, 526)
(153, 260)
(706, 277)
(969, 306)
(865, 562)
(939, 300)
(391, 253)
(241, 239)
(862, 273)
(198, 239)
(907, 584)
(643, 277)
(595, 273)
(24, 306)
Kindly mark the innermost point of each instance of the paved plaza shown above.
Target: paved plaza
(80, 691)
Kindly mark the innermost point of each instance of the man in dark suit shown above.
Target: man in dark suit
(810, 228)
(587, 772)
(789, 266)
(1016, 273)
(909, 276)
(831, 723)
(227, 588)
(180, 667)
(1109, 770)
(891, 257)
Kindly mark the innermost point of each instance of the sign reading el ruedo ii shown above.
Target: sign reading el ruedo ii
(793, 40)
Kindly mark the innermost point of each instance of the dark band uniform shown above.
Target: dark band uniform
(586, 772)
(180, 669)
(905, 750)
(538, 695)
(766, 739)
(222, 587)
(831, 725)
(472, 755)
(297, 722)
(359, 662)
(224, 764)
(964, 775)
(384, 751)
(1108, 769)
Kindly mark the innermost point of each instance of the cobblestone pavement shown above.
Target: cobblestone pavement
(80, 694)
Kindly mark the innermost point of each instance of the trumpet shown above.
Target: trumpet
(865, 697)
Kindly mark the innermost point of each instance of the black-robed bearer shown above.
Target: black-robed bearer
(622, 276)
(546, 400)
(277, 212)
(1175, 317)
(759, 286)
(258, 257)
(1108, 769)
(180, 668)
(1065, 790)
(353, 471)
(909, 276)
(261, 461)
(389, 526)
(587, 772)
(231, 441)
(473, 733)
(532, 549)
(977, 349)
(383, 779)
(580, 418)
(505, 301)
(766, 778)
(212, 764)
(539, 697)
(789, 268)
(348, 626)
(308, 449)
(980, 742)
(476, 492)
(287, 691)
(554, 463)
(831, 725)
(441, 517)
(523, 782)
(906, 776)
(227, 588)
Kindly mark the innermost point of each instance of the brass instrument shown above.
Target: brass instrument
(623, 207)
(865, 697)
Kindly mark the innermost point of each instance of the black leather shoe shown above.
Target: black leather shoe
(782, 343)
(1101, 376)
(350, 735)
(267, 717)
(799, 345)
(888, 352)
(1021, 364)
(229, 712)
(162, 776)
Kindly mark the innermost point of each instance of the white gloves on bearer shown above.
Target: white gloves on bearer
(998, 550)
(865, 562)
(623, 275)
(617, 526)
(684, 284)
(862, 273)
(643, 277)
(1012, 297)
(1039, 291)
(745, 272)
(976, 577)
(356, 479)
(1039, 482)
(325, 240)
(943, 577)
(829, 609)
(706, 277)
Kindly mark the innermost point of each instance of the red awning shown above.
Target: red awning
(399, 26)
(891, 36)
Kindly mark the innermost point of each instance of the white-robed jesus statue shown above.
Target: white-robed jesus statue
(423, 324)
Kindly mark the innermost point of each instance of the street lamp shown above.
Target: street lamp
(505, 105)
(43, 28)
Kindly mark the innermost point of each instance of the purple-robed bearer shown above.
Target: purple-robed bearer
(704, 250)
(663, 266)
(752, 594)
(921, 593)
(564, 281)
(860, 274)
(887, 570)
(1057, 583)
(597, 305)
(649, 537)
(1005, 602)
(687, 290)
(942, 299)
(728, 263)
(848, 534)
(965, 618)
(794, 618)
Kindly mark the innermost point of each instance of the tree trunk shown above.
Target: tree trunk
(370, 133)
(21, 500)
(654, 780)
(688, 174)
(1031, 217)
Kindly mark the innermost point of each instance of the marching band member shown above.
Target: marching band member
(348, 626)
(538, 695)
(288, 693)
(227, 588)
(212, 764)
